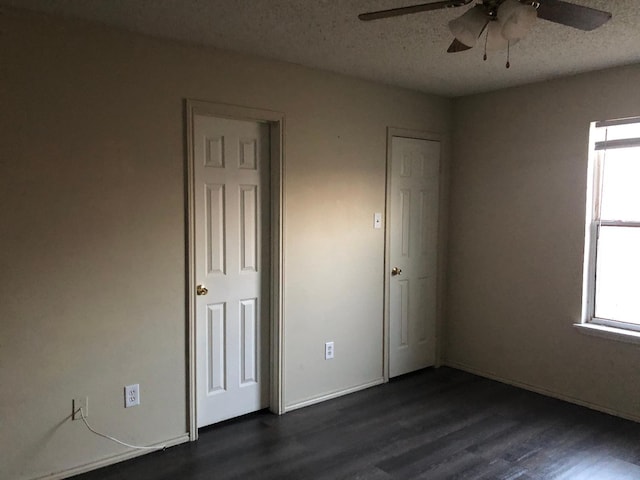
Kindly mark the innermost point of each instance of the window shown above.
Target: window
(613, 216)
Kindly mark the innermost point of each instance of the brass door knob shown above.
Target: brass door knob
(202, 290)
(396, 271)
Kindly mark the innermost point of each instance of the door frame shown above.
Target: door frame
(441, 242)
(276, 245)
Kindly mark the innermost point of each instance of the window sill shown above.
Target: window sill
(619, 334)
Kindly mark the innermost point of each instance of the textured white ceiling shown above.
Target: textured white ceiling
(406, 51)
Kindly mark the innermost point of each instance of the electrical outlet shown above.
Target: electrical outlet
(76, 405)
(328, 350)
(131, 395)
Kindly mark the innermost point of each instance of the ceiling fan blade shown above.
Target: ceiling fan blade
(423, 7)
(457, 46)
(572, 15)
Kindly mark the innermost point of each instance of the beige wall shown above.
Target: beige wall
(92, 239)
(517, 234)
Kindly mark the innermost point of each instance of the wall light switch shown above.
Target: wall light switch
(377, 220)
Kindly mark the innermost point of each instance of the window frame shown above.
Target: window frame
(594, 222)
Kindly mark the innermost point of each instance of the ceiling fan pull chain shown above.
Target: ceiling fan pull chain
(508, 54)
(486, 39)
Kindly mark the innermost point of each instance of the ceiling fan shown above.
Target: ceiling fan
(505, 21)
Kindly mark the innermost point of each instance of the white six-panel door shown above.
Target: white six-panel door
(231, 221)
(415, 170)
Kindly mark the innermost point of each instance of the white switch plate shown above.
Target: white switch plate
(328, 350)
(377, 220)
(131, 395)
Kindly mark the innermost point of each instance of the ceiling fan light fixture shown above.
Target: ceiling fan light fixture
(505, 22)
(468, 27)
(517, 19)
(495, 40)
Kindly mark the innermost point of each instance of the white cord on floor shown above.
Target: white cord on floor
(84, 419)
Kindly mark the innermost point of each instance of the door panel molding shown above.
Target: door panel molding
(443, 177)
(277, 216)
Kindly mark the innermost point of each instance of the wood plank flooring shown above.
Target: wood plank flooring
(434, 424)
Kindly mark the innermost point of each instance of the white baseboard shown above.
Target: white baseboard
(544, 391)
(329, 396)
(305, 403)
(111, 460)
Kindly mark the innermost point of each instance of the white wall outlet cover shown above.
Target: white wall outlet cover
(377, 220)
(131, 395)
(328, 350)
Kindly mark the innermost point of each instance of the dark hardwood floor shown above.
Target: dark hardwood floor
(434, 424)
